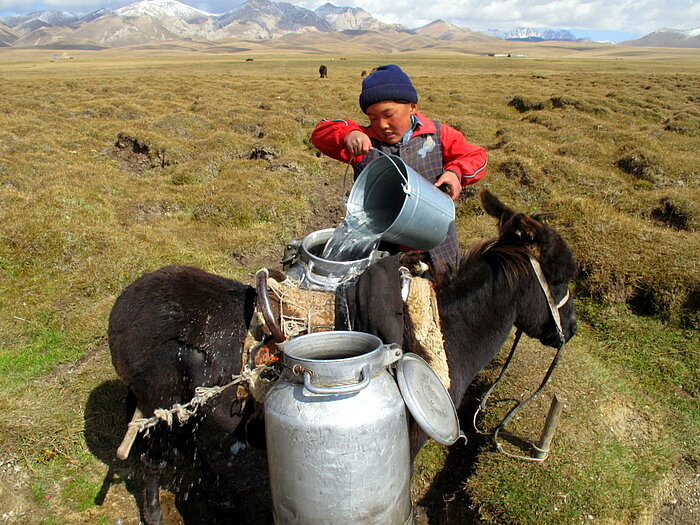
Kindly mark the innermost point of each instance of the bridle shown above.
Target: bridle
(554, 308)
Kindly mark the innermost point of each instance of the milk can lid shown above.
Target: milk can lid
(427, 399)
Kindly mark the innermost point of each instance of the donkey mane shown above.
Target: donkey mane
(508, 258)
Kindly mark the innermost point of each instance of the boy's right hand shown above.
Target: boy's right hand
(357, 143)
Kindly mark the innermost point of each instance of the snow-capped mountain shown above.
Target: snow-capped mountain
(95, 14)
(668, 38)
(148, 21)
(163, 8)
(153, 20)
(531, 34)
(37, 19)
(266, 19)
(352, 18)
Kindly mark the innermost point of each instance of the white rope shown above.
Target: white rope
(202, 395)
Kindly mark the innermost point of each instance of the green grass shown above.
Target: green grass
(660, 361)
(618, 441)
(79, 493)
(46, 348)
(227, 176)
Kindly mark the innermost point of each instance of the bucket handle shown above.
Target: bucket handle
(345, 178)
(340, 389)
(407, 185)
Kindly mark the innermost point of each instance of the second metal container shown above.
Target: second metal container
(313, 272)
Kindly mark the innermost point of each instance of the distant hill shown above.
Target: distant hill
(668, 38)
(353, 18)
(161, 20)
(442, 30)
(148, 22)
(7, 36)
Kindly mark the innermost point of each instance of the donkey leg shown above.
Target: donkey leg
(151, 512)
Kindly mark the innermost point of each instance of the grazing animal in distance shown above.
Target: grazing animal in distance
(323, 71)
(364, 73)
(180, 327)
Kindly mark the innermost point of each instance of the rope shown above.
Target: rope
(202, 395)
(506, 365)
(312, 306)
(520, 406)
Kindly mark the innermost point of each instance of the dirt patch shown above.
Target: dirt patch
(673, 214)
(641, 166)
(328, 209)
(15, 492)
(263, 152)
(627, 424)
(136, 155)
(523, 104)
(685, 123)
(517, 170)
(680, 501)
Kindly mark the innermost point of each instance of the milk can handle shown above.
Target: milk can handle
(340, 389)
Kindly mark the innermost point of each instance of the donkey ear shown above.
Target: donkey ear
(494, 207)
(523, 227)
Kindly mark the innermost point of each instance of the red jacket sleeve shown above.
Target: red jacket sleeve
(466, 160)
(329, 138)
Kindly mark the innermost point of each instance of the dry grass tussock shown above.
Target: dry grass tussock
(113, 166)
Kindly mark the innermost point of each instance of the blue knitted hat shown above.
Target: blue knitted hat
(386, 83)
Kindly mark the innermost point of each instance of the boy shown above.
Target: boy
(436, 151)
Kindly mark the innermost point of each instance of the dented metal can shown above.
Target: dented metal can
(337, 433)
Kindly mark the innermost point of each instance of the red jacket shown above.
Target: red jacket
(466, 160)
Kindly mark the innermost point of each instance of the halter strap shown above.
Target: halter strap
(554, 310)
(551, 303)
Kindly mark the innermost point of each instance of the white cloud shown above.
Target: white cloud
(73, 6)
(637, 16)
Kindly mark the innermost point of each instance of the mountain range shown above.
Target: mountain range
(529, 34)
(149, 21)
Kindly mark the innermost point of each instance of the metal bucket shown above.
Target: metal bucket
(313, 272)
(391, 199)
(337, 434)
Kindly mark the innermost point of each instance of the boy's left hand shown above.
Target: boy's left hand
(452, 181)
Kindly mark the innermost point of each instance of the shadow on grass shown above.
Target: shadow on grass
(447, 502)
(238, 493)
(105, 417)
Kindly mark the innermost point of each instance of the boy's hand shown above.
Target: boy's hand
(451, 180)
(357, 143)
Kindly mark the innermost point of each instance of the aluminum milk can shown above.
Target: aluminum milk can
(302, 261)
(337, 433)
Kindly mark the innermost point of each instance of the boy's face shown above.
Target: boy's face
(391, 120)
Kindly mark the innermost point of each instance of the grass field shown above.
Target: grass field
(115, 163)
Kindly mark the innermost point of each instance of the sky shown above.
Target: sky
(613, 20)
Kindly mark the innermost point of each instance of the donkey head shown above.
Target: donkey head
(530, 235)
